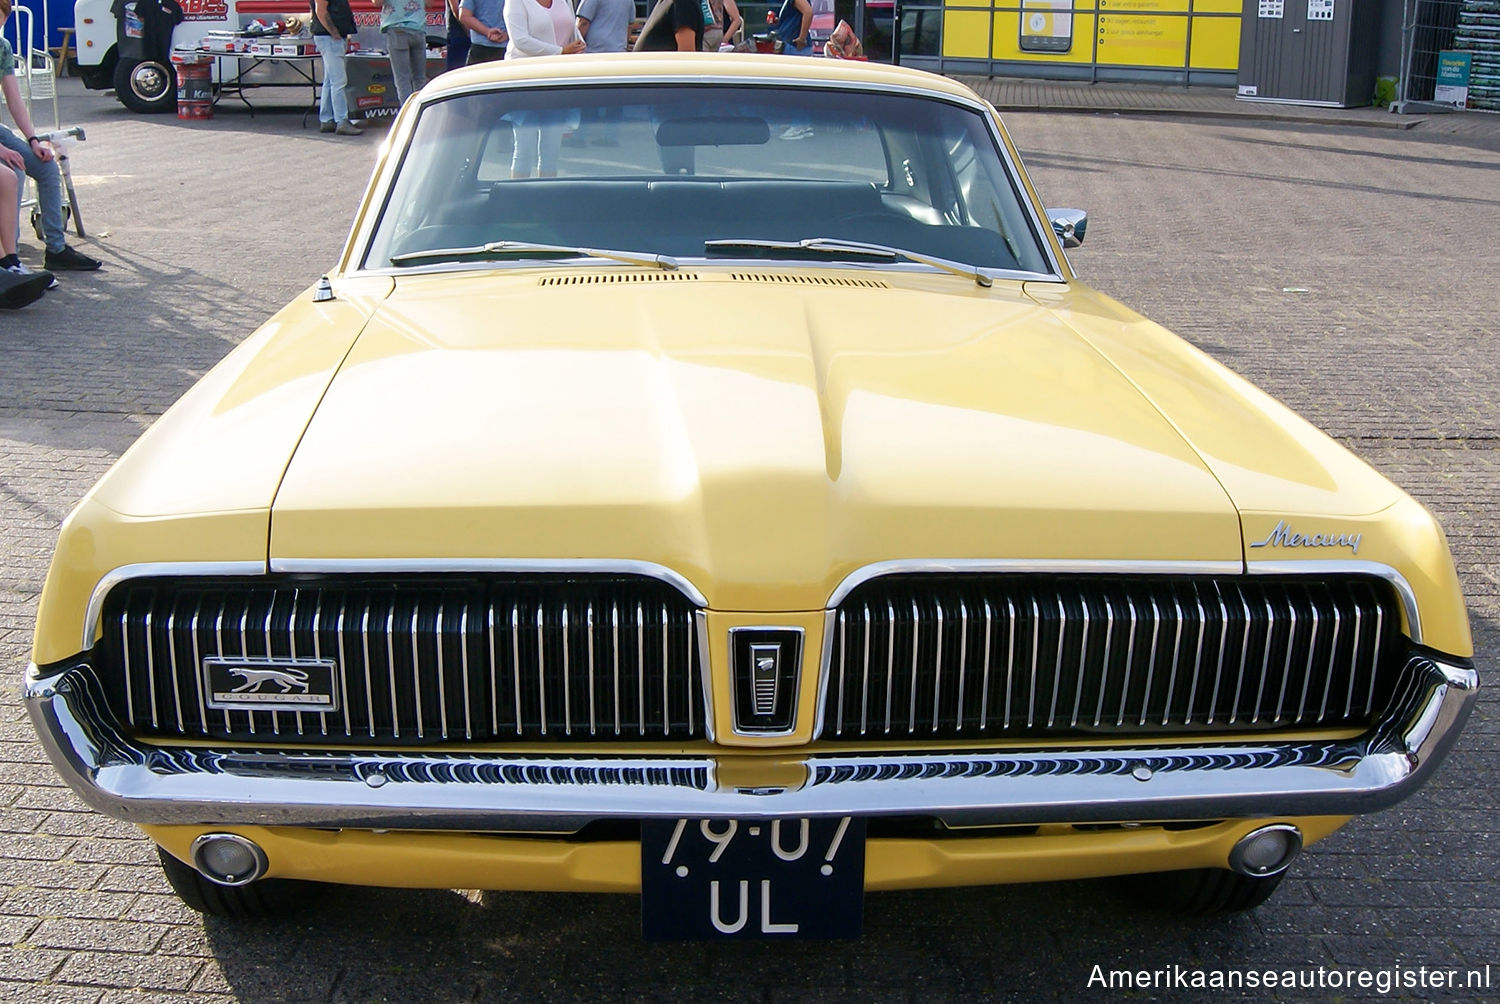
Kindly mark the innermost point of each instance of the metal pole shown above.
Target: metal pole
(896, 34)
(1408, 25)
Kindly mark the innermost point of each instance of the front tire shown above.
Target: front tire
(261, 898)
(146, 85)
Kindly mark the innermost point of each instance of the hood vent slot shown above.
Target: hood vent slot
(601, 278)
(807, 280)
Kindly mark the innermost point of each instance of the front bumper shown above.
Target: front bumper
(1216, 778)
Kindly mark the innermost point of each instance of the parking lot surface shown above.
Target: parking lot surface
(1351, 272)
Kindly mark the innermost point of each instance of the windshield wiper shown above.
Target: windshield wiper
(524, 248)
(834, 247)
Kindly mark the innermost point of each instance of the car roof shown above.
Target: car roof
(620, 67)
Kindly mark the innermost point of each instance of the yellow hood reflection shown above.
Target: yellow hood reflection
(762, 435)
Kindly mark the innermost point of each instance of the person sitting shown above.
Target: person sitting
(36, 159)
(18, 284)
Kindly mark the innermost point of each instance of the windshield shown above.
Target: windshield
(668, 170)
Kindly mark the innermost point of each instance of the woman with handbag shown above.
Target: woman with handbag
(539, 28)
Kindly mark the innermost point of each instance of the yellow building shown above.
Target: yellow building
(1184, 41)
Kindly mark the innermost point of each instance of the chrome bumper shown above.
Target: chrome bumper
(1216, 779)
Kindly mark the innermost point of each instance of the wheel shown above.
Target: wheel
(1205, 892)
(260, 898)
(147, 85)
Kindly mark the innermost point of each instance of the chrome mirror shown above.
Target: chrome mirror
(1069, 225)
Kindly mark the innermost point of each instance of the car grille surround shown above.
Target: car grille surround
(951, 657)
(419, 659)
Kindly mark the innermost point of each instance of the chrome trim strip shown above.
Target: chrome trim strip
(705, 674)
(486, 791)
(109, 580)
(601, 566)
(917, 566)
(1351, 567)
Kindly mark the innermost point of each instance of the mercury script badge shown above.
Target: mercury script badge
(1283, 536)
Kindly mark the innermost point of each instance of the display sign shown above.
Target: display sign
(1272, 8)
(1129, 36)
(1044, 30)
(1320, 10)
(1453, 72)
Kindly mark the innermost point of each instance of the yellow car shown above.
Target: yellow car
(704, 477)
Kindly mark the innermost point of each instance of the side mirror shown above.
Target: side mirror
(1069, 225)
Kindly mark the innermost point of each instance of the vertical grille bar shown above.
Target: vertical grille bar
(614, 622)
(1173, 669)
(172, 665)
(890, 662)
(1375, 657)
(864, 690)
(1291, 647)
(937, 676)
(515, 663)
(984, 690)
(589, 624)
(541, 664)
(151, 670)
(1062, 635)
(963, 658)
(198, 669)
(843, 664)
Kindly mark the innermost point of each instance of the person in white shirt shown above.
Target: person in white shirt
(539, 28)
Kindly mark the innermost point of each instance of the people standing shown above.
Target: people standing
(604, 25)
(792, 25)
(404, 25)
(33, 156)
(333, 26)
(726, 25)
(457, 51)
(485, 20)
(674, 26)
(539, 28)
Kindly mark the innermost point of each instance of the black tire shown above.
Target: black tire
(1206, 892)
(262, 898)
(146, 85)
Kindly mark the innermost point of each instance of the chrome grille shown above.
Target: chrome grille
(418, 660)
(951, 656)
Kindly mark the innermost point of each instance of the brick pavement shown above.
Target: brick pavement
(1349, 271)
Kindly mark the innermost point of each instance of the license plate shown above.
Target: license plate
(708, 879)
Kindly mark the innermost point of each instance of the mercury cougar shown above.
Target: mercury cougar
(706, 478)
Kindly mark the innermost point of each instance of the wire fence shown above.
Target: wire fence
(1441, 37)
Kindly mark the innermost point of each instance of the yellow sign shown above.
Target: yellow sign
(1140, 39)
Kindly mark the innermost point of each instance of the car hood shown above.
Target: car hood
(763, 435)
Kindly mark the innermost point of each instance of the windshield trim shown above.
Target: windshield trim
(363, 233)
(714, 264)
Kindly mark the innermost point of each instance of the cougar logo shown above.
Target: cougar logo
(287, 679)
(256, 683)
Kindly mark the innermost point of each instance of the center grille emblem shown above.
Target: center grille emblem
(766, 665)
(258, 684)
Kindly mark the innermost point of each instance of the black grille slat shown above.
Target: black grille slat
(418, 659)
(949, 656)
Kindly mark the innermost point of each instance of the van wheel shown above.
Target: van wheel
(147, 85)
(261, 898)
(1205, 892)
